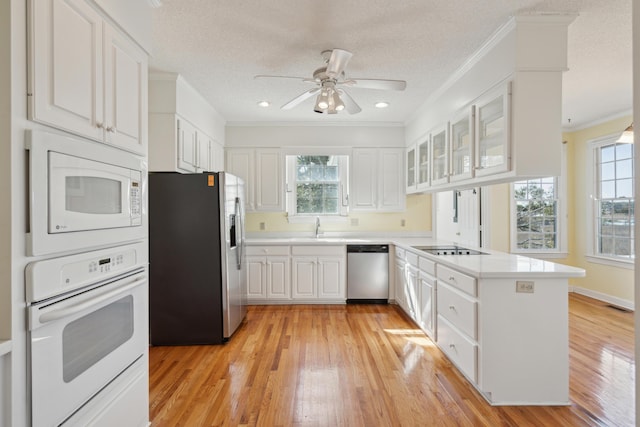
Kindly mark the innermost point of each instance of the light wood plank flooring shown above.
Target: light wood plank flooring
(369, 365)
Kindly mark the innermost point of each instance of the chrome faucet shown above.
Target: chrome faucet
(317, 226)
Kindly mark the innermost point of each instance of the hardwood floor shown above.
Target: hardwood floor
(369, 365)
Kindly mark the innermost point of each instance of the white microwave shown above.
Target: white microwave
(83, 194)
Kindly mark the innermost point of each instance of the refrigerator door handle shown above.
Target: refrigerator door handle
(239, 234)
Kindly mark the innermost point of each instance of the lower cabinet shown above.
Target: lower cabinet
(300, 274)
(427, 286)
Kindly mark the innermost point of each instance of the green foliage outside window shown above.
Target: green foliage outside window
(317, 185)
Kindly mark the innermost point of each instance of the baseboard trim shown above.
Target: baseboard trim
(629, 305)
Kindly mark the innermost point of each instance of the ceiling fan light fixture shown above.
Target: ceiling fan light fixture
(381, 104)
(338, 105)
(627, 135)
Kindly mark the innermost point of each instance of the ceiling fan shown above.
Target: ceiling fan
(331, 81)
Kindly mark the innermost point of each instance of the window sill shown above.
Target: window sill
(311, 219)
(629, 265)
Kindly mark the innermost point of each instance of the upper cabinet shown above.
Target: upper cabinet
(182, 128)
(503, 108)
(263, 173)
(85, 76)
(376, 182)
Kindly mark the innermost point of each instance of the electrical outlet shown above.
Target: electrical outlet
(355, 222)
(263, 226)
(525, 287)
(403, 222)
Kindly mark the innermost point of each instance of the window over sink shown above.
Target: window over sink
(317, 185)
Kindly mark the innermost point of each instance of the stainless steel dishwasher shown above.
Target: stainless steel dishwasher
(368, 274)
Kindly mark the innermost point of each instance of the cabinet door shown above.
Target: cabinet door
(492, 132)
(462, 146)
(399, 282)
(66, 72)
(278, 274)
(439, 156)
(411, 170)
(256, 277)
(126, 88)
(203, 144)
(423, 164)
(364, 192)
(186, 146)
(411, 292)
(426, 284)
(216, 156)
(240, 163)
(331, 280)
(304, 277)
(391, 191)
(269, 185)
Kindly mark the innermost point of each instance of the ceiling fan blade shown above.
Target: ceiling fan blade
(349, 104)
(338, 62)
(380, 84)
(298, 99)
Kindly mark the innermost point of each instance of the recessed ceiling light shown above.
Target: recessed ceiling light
(264, 104)
(381, 104)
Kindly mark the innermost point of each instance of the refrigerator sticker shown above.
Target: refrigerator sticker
(211, 181)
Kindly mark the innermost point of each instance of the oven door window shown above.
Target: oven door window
(87, 340)
(93, 195)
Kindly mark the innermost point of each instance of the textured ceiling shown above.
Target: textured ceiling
(219, 46)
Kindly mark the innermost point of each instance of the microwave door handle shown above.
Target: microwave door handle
(68, 311)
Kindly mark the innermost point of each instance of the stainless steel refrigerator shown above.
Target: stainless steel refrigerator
(197, 276)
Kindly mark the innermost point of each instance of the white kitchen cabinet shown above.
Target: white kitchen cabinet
(240, 162)
(85, 77)
(492, 131)
(512, 345)
(423, 165)
(269, 194)
(216, 156)
(399, 281)
(268, 274)
(411, 182)
(439, 156)
(318, 273)
(462, 143)
(376, 180)
(187, 145)
(427, 295)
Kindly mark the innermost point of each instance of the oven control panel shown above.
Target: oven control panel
(56, 276)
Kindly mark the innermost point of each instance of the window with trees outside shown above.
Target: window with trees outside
(536, 215)
(614, 201)
(316, 185)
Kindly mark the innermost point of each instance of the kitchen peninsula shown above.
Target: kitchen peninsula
(501, 319)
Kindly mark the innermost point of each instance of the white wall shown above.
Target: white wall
(315, 136)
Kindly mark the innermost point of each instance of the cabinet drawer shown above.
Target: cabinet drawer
(318, 250)
(459, 349)
(459, 309)
(266, 250)
(427, 266)
(412, 259)
(457, 280)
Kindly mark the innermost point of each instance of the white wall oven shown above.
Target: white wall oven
(82, 194)
(88, 323)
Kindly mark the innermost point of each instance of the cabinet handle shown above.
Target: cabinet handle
(111, 129)
(452, 307)
(452, 279)
(99, 125)
(452, 346)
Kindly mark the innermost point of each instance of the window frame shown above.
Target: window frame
(343, 190)
(593, 255)
(560, 182)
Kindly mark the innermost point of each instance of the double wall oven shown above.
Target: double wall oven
(88, 305)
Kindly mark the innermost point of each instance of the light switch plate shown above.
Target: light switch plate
(524, 286)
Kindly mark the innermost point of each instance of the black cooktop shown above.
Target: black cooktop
(448, 250)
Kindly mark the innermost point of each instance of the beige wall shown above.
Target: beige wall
(614, 284)
(417, 217)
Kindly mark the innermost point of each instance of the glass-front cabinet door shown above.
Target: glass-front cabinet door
(411, 169)
(439, 156)
(423, 164)
(493, 132)
(462, 146)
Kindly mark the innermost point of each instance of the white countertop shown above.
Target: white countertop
(492, 265)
